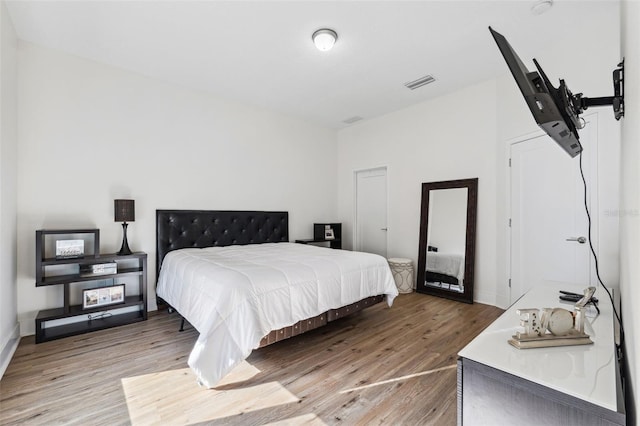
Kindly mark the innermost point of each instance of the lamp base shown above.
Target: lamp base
(124, 250)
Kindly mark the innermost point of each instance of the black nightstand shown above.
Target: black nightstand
(319, 235)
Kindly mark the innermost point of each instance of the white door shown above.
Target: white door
(549, 225)
(371, 211)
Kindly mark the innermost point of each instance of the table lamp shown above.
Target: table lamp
(125, 211)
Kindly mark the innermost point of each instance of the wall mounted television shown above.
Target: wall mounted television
(556, 110)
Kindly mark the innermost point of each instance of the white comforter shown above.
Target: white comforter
(236, 295)
(447, 264)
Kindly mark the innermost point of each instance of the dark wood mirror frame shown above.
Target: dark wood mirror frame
(470, 240)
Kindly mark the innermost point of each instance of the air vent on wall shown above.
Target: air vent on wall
(352, 119)
(420, 82)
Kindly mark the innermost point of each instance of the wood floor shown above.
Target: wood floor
(380, 366)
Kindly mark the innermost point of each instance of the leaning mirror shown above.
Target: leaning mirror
(446, 254)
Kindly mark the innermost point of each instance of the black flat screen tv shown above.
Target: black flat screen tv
(551, 107)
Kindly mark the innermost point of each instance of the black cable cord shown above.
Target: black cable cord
(595, 256)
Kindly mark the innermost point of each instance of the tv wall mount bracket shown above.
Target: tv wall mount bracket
(581, 103)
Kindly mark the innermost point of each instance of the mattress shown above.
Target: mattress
(235, 295)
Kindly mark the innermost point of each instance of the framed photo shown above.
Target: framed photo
(102, 296)
(328, 234)
(66, 249)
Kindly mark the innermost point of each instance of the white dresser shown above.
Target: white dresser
(499, 384)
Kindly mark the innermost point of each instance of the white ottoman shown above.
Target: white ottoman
(402, 270)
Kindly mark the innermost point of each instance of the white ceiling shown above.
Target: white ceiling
(260, 52)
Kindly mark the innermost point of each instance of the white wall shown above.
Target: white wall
(8, 185)
(447, 138)
(630, 196)
(90, 133)
(466, 134)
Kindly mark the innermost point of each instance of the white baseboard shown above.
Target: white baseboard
(9, 348)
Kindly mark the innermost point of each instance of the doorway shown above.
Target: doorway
(371, 211)
(549, 227)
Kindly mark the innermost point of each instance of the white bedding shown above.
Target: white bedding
(447, 264)
(236, 295)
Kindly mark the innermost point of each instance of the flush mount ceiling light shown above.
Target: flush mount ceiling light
(324, 39)
(541, 6)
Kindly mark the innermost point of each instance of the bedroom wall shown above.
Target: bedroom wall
(426, 143)
(9, 333)
(630, 200)
(90, 133)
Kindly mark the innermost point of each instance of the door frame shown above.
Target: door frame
(508, 189)
(593, 184)
(355, 203)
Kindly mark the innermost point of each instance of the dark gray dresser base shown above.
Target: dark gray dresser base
(487, 396)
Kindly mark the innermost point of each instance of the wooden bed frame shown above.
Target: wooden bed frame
(177, 229)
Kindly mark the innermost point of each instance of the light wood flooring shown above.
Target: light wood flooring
(380, 366)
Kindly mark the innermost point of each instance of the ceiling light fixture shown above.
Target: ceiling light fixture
(541, 6)
(324, 39)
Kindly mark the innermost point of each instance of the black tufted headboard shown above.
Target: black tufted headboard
(176, 229)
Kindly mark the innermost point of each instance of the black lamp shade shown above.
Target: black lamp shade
(125, 211)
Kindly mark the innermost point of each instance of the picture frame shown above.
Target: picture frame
(69, 249)
(90, 270)
(103, 296)
(328, 234)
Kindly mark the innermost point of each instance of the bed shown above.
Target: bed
(235, 277)
(445, 268)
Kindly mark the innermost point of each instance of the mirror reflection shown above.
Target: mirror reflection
(447, 239)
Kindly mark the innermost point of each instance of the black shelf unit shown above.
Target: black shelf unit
(45, 332)
(318, 235)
